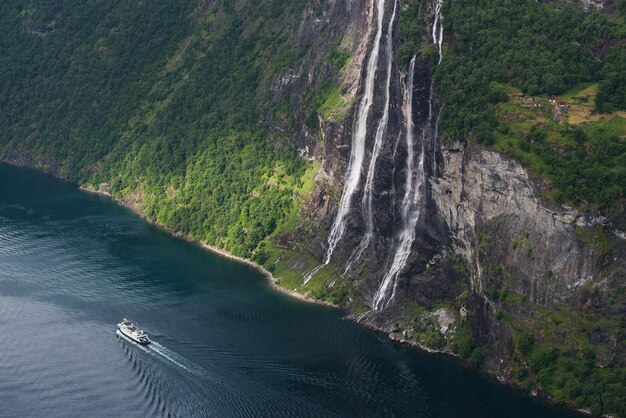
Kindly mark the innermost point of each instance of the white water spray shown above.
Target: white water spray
(168, 355)
(438, 28)
(357, 152)
(410, 210)
(381, 131)
(437, 39)
(411, 204)
(436, 135)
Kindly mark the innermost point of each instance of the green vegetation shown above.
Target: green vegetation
(157, 104)
(524, 342)
(334, 105)
(459, 265)
(167, 105)
(465, 346)
(338, 57)
(562, 360)
(540, 49)
(584, 163)
(537, 47)
(410, 30)
(579, 381)
(612, 93)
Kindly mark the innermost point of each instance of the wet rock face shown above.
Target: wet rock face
(324, 25)
(333, 148)
(478, 204)
(487, 252)
(482, 227)
(431, 235)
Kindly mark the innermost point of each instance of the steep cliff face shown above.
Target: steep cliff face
(491, 204)
(554, 257)
(336, 37)
(448, 246)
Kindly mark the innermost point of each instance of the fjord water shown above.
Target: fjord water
(73, 263)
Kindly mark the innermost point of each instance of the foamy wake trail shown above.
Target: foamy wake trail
(177, 359)
(165, 354)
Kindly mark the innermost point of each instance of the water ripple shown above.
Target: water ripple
(72, 264)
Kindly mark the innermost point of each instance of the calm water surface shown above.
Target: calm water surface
(72, 264)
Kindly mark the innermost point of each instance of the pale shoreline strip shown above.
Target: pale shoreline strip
(269, 277)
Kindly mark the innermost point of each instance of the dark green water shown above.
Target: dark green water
(72, 264)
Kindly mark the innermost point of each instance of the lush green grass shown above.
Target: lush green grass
(583, 163)
(584, 93)
(334, 106)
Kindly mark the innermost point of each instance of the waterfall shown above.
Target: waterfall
(357, 151)
(381, 131)
(415, 189)
(437, 39)
(438, 28)
(410, 210)
(436, 134)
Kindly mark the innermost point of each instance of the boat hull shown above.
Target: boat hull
(130, 337)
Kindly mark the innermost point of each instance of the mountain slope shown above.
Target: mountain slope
(402, 159)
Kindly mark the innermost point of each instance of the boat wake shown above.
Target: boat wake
(165, 354)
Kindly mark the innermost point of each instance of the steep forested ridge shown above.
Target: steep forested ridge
(157, 100)
(140, 97)
(232, 123)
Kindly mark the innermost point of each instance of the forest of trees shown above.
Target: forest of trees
(541, 49)
(146, 97)
(157, 100)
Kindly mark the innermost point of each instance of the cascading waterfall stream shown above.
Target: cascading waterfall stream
(436, 135)
(438, 28)
(410, 209)
(437, 39)
(357, 153)
(381, 131)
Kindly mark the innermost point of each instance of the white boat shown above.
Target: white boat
(133, 332)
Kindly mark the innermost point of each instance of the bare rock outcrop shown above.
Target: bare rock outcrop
(493, 211)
